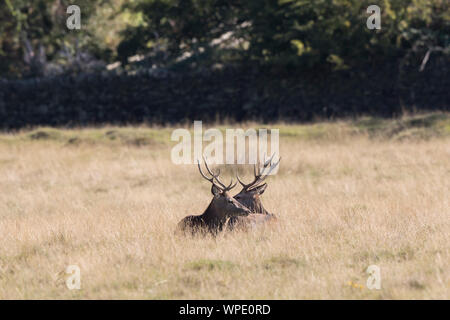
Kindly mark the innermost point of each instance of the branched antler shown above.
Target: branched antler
(260, 176)
(220, 185)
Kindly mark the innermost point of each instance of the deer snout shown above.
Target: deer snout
(245, 210)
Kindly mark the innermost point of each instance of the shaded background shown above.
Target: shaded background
(171, 61)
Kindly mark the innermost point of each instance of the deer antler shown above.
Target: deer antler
(260, 176)
(220, 185)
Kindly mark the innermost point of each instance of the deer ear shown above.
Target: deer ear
(215, 191)
(260, 189)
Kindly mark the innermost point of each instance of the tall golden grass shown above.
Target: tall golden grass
(344, 201)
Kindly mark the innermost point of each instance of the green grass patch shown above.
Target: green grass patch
(209, 265)
(132, 136)
(281, 262)
(417, 127)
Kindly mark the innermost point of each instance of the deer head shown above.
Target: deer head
(250, 194)
(222, 205)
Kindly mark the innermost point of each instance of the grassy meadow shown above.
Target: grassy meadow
(349, 194)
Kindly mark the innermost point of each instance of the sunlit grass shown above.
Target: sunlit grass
(110, 206)
(414, 127)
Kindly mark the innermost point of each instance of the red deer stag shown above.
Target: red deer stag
(221, 208)
(249, 196)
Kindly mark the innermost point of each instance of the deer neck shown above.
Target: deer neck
(261, 209)
(212, 216)
(258, 207)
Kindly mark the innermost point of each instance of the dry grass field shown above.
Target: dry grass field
(348, 195)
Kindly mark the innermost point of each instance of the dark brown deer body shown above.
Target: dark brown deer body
(221, 208)
(250, 197)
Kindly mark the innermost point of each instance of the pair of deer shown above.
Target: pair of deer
(242, 211)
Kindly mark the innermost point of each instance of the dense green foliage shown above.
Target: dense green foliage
(167, 61)
(305, 34)
(292, 32)
(38, 29)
